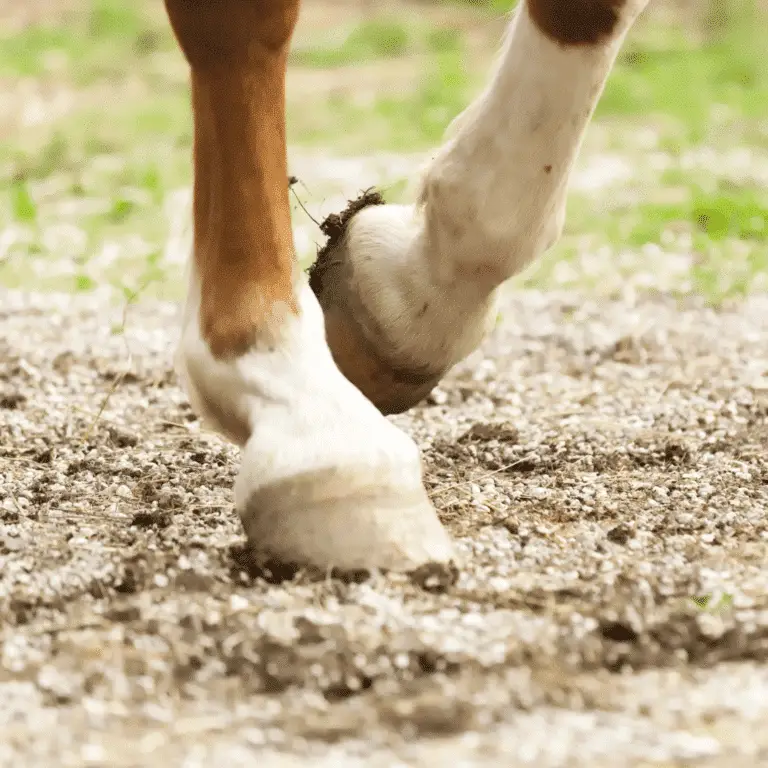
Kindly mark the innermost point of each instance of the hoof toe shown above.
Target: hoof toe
(331, 520)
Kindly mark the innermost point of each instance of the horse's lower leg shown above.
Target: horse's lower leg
(410, 291)
(325, 480)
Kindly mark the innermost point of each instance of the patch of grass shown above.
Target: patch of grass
(375, 39)
(495, 6)
(87, 196)
(102, 40)
(684, 78)
(708, 209)
(23, 208)
(715, 232)
(93, 192)
(422, 117)
(410, 119)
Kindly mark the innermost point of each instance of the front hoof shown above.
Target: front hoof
(336, 520)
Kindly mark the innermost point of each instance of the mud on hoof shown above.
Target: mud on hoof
(334, 228)
(358, 342)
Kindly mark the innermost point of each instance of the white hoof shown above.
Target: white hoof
(351, 519)
(325, 480)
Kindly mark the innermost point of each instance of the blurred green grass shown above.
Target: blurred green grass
(96, 134)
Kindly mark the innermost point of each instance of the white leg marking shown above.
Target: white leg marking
(326, 479)
(491, 201)
(494, 197)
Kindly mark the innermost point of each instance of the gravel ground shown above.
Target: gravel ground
(601, 464)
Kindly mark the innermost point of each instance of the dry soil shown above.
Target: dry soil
(602, 464)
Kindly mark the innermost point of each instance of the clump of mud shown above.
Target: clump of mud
(334, 227)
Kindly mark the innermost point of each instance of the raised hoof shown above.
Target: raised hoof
(378, 365)
(332, 520)
(393, 325)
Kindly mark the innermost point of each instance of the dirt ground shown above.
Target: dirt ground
(601, 464)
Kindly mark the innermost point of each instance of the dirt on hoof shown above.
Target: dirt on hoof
(334, 227)
(609, 510)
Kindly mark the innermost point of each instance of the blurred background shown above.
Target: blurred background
(671, 191)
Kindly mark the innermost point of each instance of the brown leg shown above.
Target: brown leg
(237, 50)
